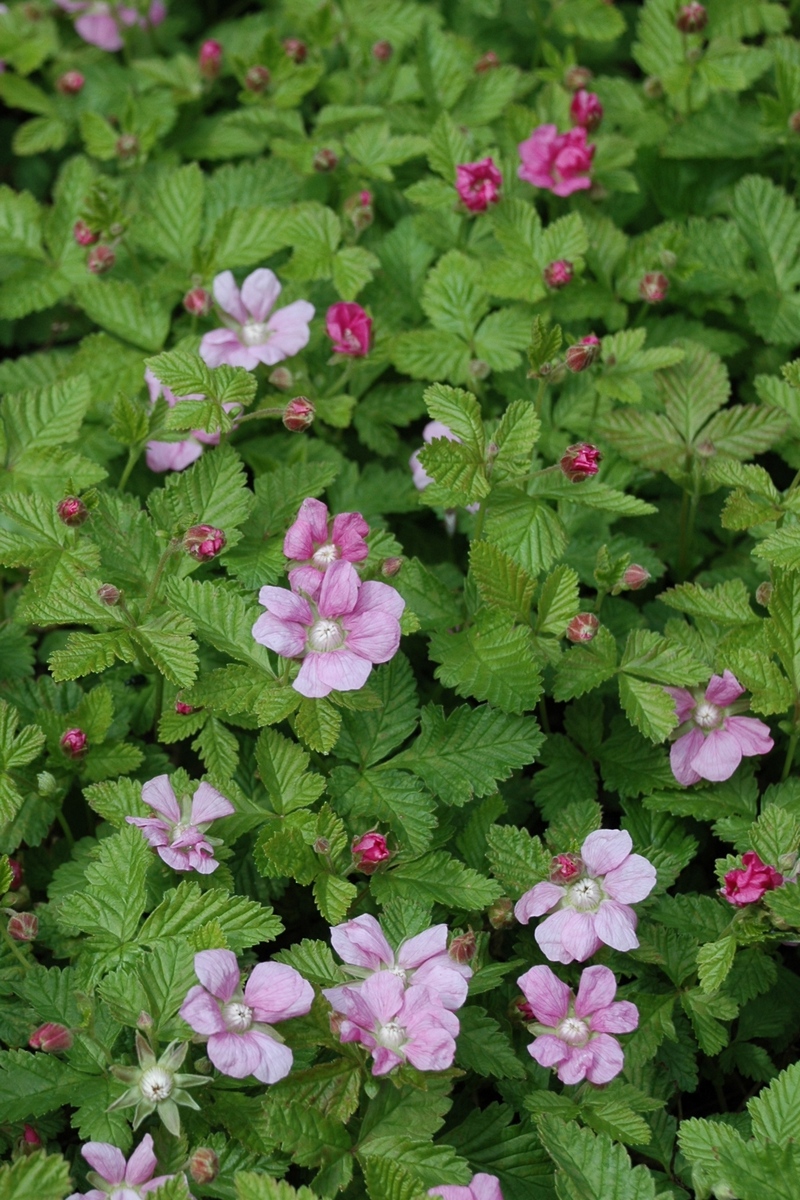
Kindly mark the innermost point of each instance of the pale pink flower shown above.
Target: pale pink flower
(422, 960)
(747, 884)
(574, 1032)
(238, 1023)
(179, 835)
(420, 477)
(711, 740)
(481, 1187)
(398, 1024)
(350, 329)
(316, 542)
(117, 1179)
(339, 627)
(251, 335)
(100, 23)
(557, 162)
(478, 184)
(176, 456)
(592, 909)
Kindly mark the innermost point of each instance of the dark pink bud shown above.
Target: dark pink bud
(204, 1165)
(257, 78)
(382, 51)
(281, 378)
(184, 710)
(576, 78)
(580, 461)
(565, 868)
(558, 274)
(16, 874)
(31, 1137)
(51, 1038)
(635, 577)
(369, 851)
(70, 83)
(653, 287)
(83, 235)
(100, 259)
(748, 884)
(325, 160)
(209, 59)
(692, 18)
(487, 62)
(204, 542)
(582, 628)
(391, 567)
(23, 927)
(462, 948)
(524, 1009)
(296, 50)
(298, 414)
(586, 110)
(72, 511)
(198, 302)
(501, 914)
(108, 594)
(583, 353)
(74, 743)
(127, 146)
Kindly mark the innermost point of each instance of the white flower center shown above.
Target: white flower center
(238, 1017)
(392, 1036)
(585, 895)
(573, 1031)
(255, 333)
(706, 715)
(325, 635)
(399, 972)
(156, 1084)
(325, 555)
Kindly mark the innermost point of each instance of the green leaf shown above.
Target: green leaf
(784, 628)
(171, 227)
(46, 417)
(125, 310)
(770, 224)
(524, 527)
(714, 961)
(167, 643)
(591, 1165)
(516, 858)
(653, 657)
(502, 583)
(453, 297)
(438, 878)
(491, 661)
(37, 1176)
(484, 1048)
(219, 750)
(184, 373)
(34, 1084)
(383, 796)
(318, 724)
(283, 769)
(223, 619)
(367, 737)
(186, 909)
(460, 411)
(728, 602)
(558, 601)
(111, 905)
(776, 1109)
(20, 222)
(212, 492)
(584, 668)
(333, 896)
(647, 706)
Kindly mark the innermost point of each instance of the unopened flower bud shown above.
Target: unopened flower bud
(653, 88)
(30, 1137)
(204, 1165)
(257, 79)
(692, 18)
(359, 209)
(298, 414)
(487, 62)
(501, 914)
(74, 743)
(764, 593)
(653, 287)
(83, 235)
(295, 50)
(794, 122)
(325, 160)
(70, 83)
(204, 542)
(321, 845)
(565, 868)
(203, 1066)
(635, 577)
(706, 448)
(51, 1038)
(583, 354)
(198, 302)
(144, 1022)
(369, 851)
(183, 710)
(479, 369)
(46, 784)
(462, 948)
(382, 51)
(16, 874)
(580, 461)
(108, 594)
(524, 1010)
(586, 111)
(23, 927)
(127, 146)
(281, 378)
(576, 78)
(582, 628)
(100, 260)
(209, 59)
(558, 274)
(391, 567)
(72, 511)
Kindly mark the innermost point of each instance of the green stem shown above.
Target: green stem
(540, 391)
(688, 517)
(65, 829)
(159, 698)
(159, 571)
(479, 523)
(543, 717)
(598, 604)
(790, 749)
(133, 457)
(15, 950)
(261, 412)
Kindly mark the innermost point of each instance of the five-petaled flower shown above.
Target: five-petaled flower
(179, 834)
(350, 329)
(481, 1187)
(748, 883)
(316, 542)
(478, 184)
(711, 739)
(112, 1178)
(592, 908)
(574, 1033)
(558, 162)
(238, 1022)
(253, 333)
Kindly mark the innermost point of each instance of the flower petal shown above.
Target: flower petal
(539, 900)
(568, 936)
(275, 1059)
(375, 596)
(682, 754)
(361, 943)
(338, 669)
(218, 971)
(684, 702)
(277, 992)
(172, 456)
(209, 805)
(752, 735)
(578, 1061)
(234, 1054)
(615, 925)
(373, 635)
(417, 950)
(597, 989)
(290, 332)
(607, 1059)
(107, 1160)
(632, 881)
(723, 689)
(158, 794)
(449, 986)
(547, 995)
(432, 1050)
(228, 296)
(605, 849)
(286, 638)
(142, 1163)
(619, 1017)
(260, 290)
(548, 1050)
(222, 347)
(383, 993)
(286, 605)
(99, 29)
(719, 756)
(201, 1011)
(339, 590)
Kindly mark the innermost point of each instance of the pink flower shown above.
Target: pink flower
(583, 353)
(349, 328)
(478, 184)
(574, 1032)
(582, 628)
(397, 1024)
(586, 110)
(339, 627)
(748, 885)
(238, 1023)
(316, 542)
(23, 927)
(594, 909)
(419, 476)
(482, 1187)
(251, 335)
(558, 274)
(369, 851)
(209, 59)
(204, 542)
(129, 1180)
(176, 456)
(580, 461)
(99, 23)
(51, 1038)
(558, 162)
(180, 838)
(74, 743)
(422, 960)
(711, 742)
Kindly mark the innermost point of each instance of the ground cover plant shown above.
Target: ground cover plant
(400, 627)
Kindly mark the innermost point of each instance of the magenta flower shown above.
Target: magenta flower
(238, 1024)
(574, 1032)
(590, 905)
(369, 851)
(481, 1187)
(339, 627)
(176, 456)
(179, 835)
(100, 24)
(419, 476)
(586, 110)
(747, 885)
(349, 328)
(115, 1179)
(398, 1024)
(711, 741)
(557, 162)
(316, 542)
(478, 184)
(422, 961)
(251, 336)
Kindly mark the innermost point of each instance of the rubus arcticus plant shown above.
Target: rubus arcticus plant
(400, 600)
